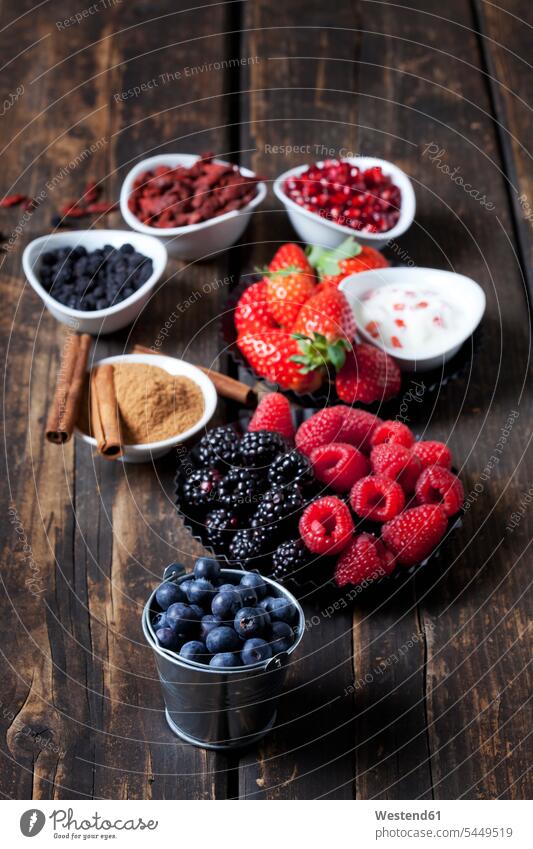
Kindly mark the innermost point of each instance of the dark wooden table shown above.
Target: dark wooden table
(440, 706)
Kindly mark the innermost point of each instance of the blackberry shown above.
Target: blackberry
(248, 546)
(220, 526)
(291, 468)
(200, 488)
(240, 490)
(290, 560)
(259, 448)
(218, 448)
(279, 506)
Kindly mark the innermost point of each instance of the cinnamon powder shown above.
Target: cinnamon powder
(153, 404)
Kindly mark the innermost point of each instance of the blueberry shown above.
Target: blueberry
(167, 638)
(159, 621)
(266, 602)
(226, 588)
(208, 623)
(249, 596)
(181, 618)
(194, 650)
(200, 591)
(197, 610)
(251, 622)
(281, 610)
(222, 639)
(226, 604)
(281, 637)
(225, 659)
(255, 651)
(206, 567)
(169, 593)
(255, 582)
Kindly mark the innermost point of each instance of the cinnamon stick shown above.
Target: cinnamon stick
(69, 389)
(226, 386)
(104, 412)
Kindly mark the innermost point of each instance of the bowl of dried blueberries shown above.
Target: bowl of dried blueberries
(96, 281)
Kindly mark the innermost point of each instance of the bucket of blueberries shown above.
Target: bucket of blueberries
(222, 640)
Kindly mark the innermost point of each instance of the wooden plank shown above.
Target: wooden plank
(84, 674)
(473, 612)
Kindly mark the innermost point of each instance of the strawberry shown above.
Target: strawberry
(348, 258)
(252, 313)
(273, 413)
(290, 281)
(272, 354)
(364, 559)
(414, 534)
(368, 375)
(437, 485)
(327, 314)
(325, 426)
(290, 256)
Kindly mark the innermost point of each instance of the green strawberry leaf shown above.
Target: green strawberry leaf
(327, 261)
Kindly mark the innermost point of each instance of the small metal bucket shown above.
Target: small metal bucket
(217, 709)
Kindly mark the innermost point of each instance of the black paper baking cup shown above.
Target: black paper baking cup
(430, 382)
(310, 584)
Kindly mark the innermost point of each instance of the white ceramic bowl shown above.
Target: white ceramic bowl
(194, 241)
(315, 230)
(462, 292)
(98, 321)
(150, 450)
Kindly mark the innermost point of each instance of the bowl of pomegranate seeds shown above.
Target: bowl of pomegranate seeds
(365, 197)
(196, 205)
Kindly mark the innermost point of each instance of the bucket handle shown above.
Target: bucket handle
(277, 662)
(174, 570)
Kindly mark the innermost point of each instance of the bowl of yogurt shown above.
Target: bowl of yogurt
(420, 316)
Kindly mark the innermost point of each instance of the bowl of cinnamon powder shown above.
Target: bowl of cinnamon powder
(137, 407)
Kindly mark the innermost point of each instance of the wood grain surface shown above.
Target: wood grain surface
(421, 691)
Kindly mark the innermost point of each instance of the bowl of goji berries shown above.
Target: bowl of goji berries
(197, 205)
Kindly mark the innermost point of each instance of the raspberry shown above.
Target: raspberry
(325, 426)
(326, 525)
(358, 428)
(393, 433)
(273, 413)
(397, 463)
(377, 497)
(338, 465)
(437, 485)
(433, 454)
(365, 558)
(413, 534)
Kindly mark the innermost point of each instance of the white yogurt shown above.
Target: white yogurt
(411, 322)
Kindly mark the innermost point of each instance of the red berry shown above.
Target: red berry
(393, 433)
(338, 465)
(325, 426)
(365, 558)
(273, 413)
(367, 375)
(326, 525)
(433, 454)
(377, 497)
(437, 485)
(251, 313)
(358, 427)
(397, 463)
(414, 534)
